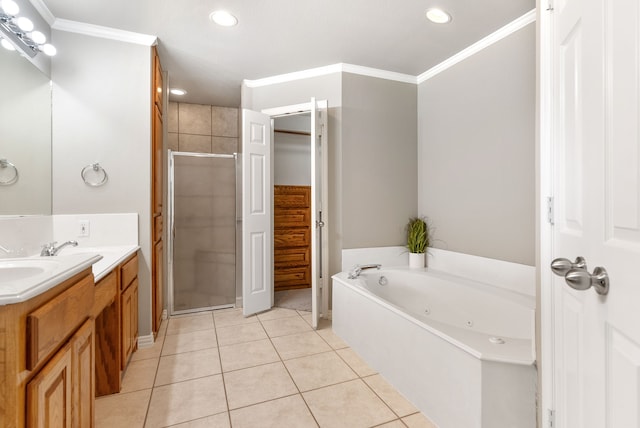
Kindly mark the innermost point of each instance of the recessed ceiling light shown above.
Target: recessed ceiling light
(178, 91)
(438, 16)
(224, 18)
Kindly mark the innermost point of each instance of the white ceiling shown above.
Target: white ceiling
(281, 36)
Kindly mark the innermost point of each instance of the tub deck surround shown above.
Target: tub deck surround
(438, 339)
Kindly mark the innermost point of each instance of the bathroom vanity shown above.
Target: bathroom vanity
(65, 338)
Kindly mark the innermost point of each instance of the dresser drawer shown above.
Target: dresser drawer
(54, 321)
(129, 272)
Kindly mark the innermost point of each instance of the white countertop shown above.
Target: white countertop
(112, 256)
(58, 269)
(69, 262)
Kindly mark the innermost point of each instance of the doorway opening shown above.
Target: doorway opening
(292, 229)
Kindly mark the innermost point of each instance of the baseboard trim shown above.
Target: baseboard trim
(145, 341)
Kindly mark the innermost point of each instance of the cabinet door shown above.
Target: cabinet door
(83, 361)
(157, 161)
(49, 394)
(126, 304)
(134, 316)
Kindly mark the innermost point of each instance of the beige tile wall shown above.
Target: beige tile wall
(202, 128)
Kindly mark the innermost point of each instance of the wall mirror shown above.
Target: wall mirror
(25, 137)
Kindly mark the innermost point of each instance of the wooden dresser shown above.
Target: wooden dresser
(292, 237)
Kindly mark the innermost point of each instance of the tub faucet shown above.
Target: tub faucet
(50, 249)
(357, 269)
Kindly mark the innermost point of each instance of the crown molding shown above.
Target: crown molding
(492, 38)
(330, 69)
(43, 10)
(103, 32)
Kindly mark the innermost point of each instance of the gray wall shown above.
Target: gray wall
(476, 144)
(101, 112)
(379, 166)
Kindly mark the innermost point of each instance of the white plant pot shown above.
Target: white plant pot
(417, 260)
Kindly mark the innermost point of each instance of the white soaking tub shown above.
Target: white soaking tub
(461, 351)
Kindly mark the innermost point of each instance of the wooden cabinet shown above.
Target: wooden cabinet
(62, 393)
(47, 357)
(157, 192)
(292, 237)
(128, 309)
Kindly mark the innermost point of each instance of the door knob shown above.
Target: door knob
(561, 266)
(581, 279)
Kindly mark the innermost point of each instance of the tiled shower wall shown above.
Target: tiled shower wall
(202, 128)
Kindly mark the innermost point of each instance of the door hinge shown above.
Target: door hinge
(550, 211)
(551, 415)
(550, 6)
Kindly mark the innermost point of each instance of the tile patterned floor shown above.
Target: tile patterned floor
(271, 370)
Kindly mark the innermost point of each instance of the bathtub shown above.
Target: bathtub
(461, 351)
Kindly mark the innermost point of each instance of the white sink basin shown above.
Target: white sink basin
(16, 269)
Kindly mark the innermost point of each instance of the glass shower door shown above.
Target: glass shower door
(203, 220)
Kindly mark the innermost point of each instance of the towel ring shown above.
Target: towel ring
(97, 170)
(6, 164)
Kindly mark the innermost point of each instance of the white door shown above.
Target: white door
(257, 218)
(319, 196)
(595, 159)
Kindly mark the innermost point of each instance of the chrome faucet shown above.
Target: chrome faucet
(50, 249)
(357, 269)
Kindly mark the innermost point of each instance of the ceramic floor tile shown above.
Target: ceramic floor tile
(285, 326)
(122, 410)
(393, 424)
(188, 365)
(355, 362)
(299, 345)
(153, 351)
(276, 313)
(316, 371)
(221, 420)
(249, 354)
(349, 405)
(240, 333)
(331, 338)
(232, 317)
(287, 412)
(189, 323)
(305, 316)
(257, 384)
(418, 420)
(139, 375)
(186, 401)
(400, 405)
(190, 341)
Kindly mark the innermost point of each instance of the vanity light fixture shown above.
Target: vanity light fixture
(438, 16)
(223, 18)
(178, 91)
(17, 32)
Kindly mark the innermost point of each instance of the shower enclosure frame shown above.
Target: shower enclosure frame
(171, 230)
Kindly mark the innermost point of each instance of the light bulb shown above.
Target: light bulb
(24, 24)
(8, 46)
(10, 7)
(38, 37)
(49, 49)
(178, 91)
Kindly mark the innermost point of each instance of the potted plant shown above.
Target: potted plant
(418, 235)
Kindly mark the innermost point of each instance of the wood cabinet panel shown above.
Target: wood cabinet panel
(158, 290)
(157, 149)
(49, 394)
(82, 360)
(292, 237)
(129, 323)
(54, 321)
(106, 292)
(157, 228)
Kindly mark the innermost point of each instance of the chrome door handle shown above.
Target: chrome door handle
(561, 266)
(581, 279)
